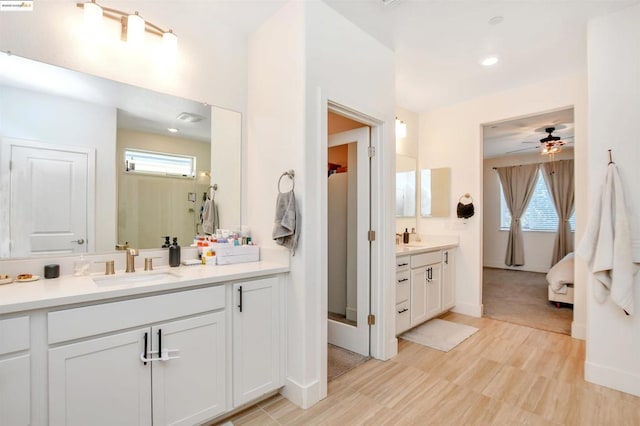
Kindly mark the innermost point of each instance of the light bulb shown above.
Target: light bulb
(169, 42)
(92, 18)
(135, 29)
(401, 129)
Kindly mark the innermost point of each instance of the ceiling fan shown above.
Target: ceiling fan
(550, 144)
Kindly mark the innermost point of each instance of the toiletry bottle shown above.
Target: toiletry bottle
(174, 253)
(167, 242)
(405, 236)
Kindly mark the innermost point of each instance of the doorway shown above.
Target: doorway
(520, 291)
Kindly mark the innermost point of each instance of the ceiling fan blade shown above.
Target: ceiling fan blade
(530, 142)
(521, 149)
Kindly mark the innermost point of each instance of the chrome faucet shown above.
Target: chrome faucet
(131, 261)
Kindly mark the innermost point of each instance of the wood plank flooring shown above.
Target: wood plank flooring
(505, 374)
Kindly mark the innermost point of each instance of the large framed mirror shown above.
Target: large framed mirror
(69, 183)
(405, 186)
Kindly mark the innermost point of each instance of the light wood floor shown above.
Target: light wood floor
(505, 374)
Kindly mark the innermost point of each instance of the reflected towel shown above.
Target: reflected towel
(286, 223)
(210, 219)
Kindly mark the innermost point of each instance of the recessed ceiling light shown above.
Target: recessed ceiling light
(172, 130)
(496, 20)
(489, 61)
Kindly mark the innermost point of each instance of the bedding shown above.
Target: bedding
(561, 274)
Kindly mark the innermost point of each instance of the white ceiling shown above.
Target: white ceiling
(438, 44)
(522, 135)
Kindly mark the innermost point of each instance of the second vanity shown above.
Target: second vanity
(425, 281)
(184, 350)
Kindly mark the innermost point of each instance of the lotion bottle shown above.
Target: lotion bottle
(405, 236)
(174, 253)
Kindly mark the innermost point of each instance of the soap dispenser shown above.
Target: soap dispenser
(405, 236)
(174, 253)
(167, 241)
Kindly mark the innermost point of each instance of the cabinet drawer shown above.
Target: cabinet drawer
(424, 259)
(403, 317)
(14, 335)
(402, 263)
(402, 286)
(108, 317)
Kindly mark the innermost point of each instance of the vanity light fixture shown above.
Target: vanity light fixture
(134, 26)
(401, 129)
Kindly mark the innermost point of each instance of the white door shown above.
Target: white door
(353, 333)
(100, 381)
(434, 290)
(15, 391)
(256, 339)
(49, 198)
(190, 386)
(418, 309)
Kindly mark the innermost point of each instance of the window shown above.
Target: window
(540, 214)
(159, 163)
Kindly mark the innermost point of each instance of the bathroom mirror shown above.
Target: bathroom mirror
(435, 186)
(405, 186)
(64, 187)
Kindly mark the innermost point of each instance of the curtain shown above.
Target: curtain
(560, 180)
(518, 184)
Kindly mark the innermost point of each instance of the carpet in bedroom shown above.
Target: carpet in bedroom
(520, 297)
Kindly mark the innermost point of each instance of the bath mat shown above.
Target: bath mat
(340, 361)
(439, 334)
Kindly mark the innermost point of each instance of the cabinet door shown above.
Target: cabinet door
(256, 339)
(100, 381)
(15, 391)
(192, 388)
(448, 279)
(434, 290)
(418, 295)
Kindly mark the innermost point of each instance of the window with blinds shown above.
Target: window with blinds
(159, 163)
(540, 214)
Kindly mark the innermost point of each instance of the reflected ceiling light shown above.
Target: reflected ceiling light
(173, 130)
(489, 61)
(133, 26)
(401, 129)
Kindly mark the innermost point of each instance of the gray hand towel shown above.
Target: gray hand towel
(285, 226)
(210, 218)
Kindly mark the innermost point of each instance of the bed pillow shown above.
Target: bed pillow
(562, 272)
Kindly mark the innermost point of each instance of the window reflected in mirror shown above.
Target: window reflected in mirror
(405, 186)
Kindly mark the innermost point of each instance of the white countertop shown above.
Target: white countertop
(68, 289)
(428, 243)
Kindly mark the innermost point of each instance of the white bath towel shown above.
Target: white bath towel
(287, 221)
(210, 218)
(606, 245)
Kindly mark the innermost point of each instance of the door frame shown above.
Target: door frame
(6, 144)
(377, 340)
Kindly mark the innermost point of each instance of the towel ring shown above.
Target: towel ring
(291, 175)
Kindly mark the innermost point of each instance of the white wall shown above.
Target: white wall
(300, 57)
(452, 137)
(613, 339)
(538, 245)
(408, 146)
(55, 120)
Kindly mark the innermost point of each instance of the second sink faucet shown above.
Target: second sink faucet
(130, 263)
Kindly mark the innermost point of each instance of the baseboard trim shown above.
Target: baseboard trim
(524, 268)
(468, 309)
(578, 330)
(612, 378)
(302, 396)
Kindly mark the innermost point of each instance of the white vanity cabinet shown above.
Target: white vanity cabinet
(257, 339)
(122, 378)
(448, 279)
(15, 372)
(425, 286)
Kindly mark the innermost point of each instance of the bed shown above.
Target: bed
(560, 279)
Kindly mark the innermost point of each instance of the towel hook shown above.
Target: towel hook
(291, 175)
(610, 158)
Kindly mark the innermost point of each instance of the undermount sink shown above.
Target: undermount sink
(137, 278)
(411, 245)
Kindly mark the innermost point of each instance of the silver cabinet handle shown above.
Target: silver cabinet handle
(79, 241)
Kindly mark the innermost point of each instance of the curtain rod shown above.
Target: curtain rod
(542, 162)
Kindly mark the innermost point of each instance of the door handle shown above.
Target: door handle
(403, 280)
(240, 305)
(446, 257)
(79, 241)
